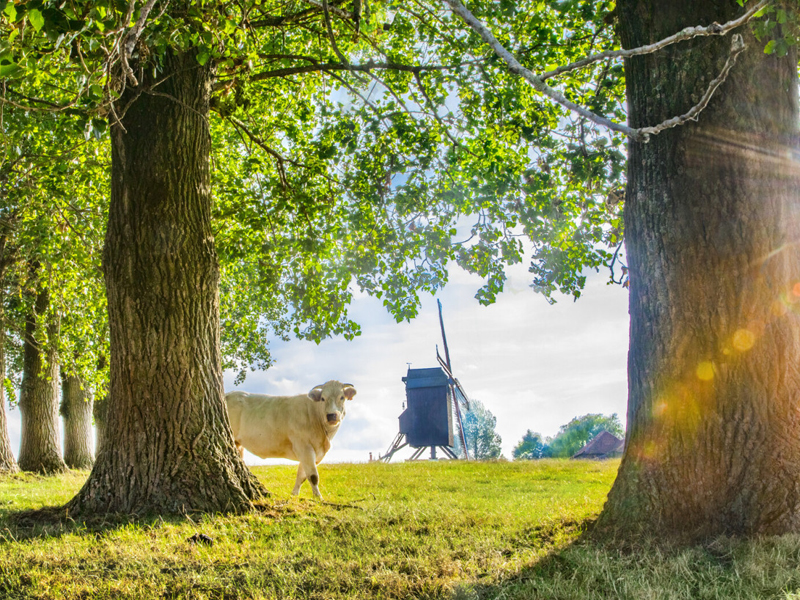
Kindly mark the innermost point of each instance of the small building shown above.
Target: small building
(603, 445)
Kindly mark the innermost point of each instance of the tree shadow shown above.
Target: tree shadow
(556, 562)
(592, 565)
(56, 521)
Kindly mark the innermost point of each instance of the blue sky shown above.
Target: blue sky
(535, 366)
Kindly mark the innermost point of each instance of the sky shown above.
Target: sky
(533, 365)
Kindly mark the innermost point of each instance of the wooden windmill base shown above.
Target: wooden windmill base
(400, 442)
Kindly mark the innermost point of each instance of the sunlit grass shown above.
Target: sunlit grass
(385, 531)
(423, 530)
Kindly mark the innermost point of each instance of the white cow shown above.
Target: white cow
(295, 427)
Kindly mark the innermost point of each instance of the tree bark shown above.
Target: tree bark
(99, 412)
(8, 464)
(169, 446)
(711, 225)
(40, 450)
(76, 410)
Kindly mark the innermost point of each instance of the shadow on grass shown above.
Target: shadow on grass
(555, 563)
(593, 565)
(55, 521)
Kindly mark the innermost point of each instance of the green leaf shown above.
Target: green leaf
(203, 56)
(11, 11)
(36, 19)
(10, 70)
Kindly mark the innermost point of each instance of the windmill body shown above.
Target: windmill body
(434, 402)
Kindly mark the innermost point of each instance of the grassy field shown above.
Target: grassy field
(412, 530)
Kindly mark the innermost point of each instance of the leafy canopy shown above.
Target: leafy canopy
(367, 147)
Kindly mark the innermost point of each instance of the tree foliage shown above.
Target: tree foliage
(483, 441)
(52, 205)
(355, 150)
(530, 447)
(578, 432)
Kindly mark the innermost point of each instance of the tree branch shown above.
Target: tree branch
(256, 140)
(48, 106)
(337, 11)
(332, 37)
(641, 134)
(683, 35)
(128, 42)
(365, 68)
(737, 46)
(269, 21)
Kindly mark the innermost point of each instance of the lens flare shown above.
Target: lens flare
(779, 308)
(705, 371)
(743, 340)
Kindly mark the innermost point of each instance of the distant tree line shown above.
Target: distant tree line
(570, 438)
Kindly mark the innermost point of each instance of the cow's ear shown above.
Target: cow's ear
(316, 394)
(349, 391)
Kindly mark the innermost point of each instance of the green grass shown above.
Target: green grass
(411, 530)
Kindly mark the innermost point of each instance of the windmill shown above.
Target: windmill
(435, 403)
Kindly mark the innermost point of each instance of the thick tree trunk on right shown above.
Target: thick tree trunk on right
(40, 450)
(76, 410)
(712, 223)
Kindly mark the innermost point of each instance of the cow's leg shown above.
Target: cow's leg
(301, 477)
(308, 462)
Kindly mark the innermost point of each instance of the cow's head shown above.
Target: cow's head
(333, 394)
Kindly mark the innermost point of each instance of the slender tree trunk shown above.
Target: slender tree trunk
(711, 218)
(76, 410)
(169, 446)
(100, 414)
(8, 463)
(40, 450)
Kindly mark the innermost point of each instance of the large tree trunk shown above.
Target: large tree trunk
(8, 463)
(40, 450)
(76, 410)
(169, 446)
(711, 218)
